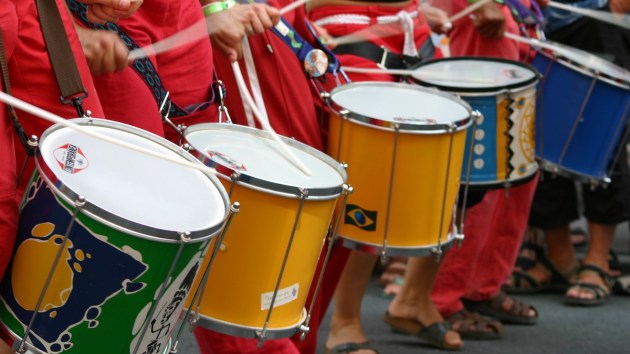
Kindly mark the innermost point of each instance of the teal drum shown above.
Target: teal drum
(109, 242)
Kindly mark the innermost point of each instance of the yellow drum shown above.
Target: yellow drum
(404, 147)
(268, 257)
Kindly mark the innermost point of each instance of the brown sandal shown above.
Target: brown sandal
(518, 313)
(471, 325)
(432, 334)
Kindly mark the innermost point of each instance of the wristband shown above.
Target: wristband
(217, 7)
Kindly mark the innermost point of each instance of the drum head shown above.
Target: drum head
(590, 62)
(259, 161)
(411, 108)
(131, 185)
(472, 74)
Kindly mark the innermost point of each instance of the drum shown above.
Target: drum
(261, 275)
(136, 228)
(579, 138)
(500, 149)
(404, 147)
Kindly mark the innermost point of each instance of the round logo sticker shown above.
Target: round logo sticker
(71, 158)
(316, 63)
(230, 162)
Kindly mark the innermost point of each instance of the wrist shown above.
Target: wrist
(215, 7)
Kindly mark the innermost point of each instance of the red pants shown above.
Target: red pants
(494, 230)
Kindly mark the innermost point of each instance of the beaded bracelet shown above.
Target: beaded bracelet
(217, 7)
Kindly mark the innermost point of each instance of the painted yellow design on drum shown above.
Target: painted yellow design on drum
(79, 255)
(527, 130)
(501, 134)
(40, 254)
(250, 263)
(43, 230)
(420, 179)
(53, 314)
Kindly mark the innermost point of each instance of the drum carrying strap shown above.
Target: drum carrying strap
(10, 110)
(61, 56)
(143, 67)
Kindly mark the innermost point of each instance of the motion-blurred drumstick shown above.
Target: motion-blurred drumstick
(264, 124)
(469, 9)
(382, 30)
(427, 75)
(38, 112)
(292, 6)
(604, 16)
(537, 43)
(190, 34)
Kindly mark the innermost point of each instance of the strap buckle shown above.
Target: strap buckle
(383, 61)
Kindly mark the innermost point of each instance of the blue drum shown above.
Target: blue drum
(583, 109)
(500, 148)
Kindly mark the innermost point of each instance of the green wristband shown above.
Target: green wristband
(217, 7)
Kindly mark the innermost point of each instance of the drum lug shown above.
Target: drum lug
(437, 252)
(459, 238)
(325, 95)
(304, 330)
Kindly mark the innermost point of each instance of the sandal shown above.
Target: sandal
(614, 265)
(433, 334)
(350, 348)
(622, 285)
(518, 313)
(600, 293)
(522, 282)
(471, 325)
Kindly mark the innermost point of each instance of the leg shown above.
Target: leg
(345, 326)
(413, 302)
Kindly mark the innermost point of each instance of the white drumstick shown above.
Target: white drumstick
(292, 6)
(537, 43)
(38, 112)
(464, 12)
(426, 75)
(264, 124)
(620, 20)
(190, 34)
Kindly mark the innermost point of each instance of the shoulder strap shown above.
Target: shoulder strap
(61, 56)
(10, 110)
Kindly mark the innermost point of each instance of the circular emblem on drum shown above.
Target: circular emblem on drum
(227, 160)
(316, 63)
(71, 158)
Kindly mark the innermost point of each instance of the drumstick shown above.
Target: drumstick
(190, 34)
(427, 75)
(265, 125)
(449, 23)
(620, 20)
(537, 43)
(38, 112)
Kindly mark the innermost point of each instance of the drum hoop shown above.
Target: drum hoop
(404, 128)
(259, 184)
(582, 69)
(489, 90)
(117, 222)
(244, 331)
(395, 251)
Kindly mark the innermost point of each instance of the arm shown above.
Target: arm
(101, 11)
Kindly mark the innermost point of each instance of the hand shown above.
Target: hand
(619, 6)
(227, 28)
(436, 17)
(324, 37)
(542, 3)
(101, 11)
(489, 20)
(104, 50)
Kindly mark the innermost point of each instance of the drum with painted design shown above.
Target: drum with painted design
(136, 228)
(404, 146)
(583, 110)
(270, 254)
(501, 146)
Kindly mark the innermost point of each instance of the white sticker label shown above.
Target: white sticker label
(284, 296)
(282, 28)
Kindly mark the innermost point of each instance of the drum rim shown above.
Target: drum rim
(582, 69)
(377, 123)
(240, 330)
(275, 188)
(488, 90)
(111, 219)
(395, 251)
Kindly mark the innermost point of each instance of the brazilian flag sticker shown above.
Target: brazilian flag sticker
(364, 219)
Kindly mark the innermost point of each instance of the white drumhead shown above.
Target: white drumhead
(400, 103)
(457, 73)
(591, 62)
(135, 186)
(260, 157)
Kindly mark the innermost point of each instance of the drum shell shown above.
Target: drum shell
(425, 183)
(137, 266)
(564, 90)
(249, 260)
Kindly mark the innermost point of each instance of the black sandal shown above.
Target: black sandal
(600, 293)
(521, 282)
